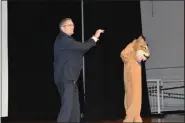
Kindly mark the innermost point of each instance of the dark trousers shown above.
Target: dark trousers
(70, 107)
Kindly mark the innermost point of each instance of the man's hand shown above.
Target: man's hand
(98, 32)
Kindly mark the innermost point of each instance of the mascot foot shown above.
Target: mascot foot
(138, 120)
(127, 121)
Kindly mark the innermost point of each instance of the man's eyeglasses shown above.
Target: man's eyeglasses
(69, 25)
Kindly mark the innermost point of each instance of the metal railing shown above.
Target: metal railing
(156, 93)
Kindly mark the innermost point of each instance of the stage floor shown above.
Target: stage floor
(166, 118)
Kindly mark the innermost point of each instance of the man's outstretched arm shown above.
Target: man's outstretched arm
(71, 44)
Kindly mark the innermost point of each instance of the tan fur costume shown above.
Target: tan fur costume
(132, 55)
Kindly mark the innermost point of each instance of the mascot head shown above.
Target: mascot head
(141, 49)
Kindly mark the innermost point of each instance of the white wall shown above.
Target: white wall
(0, 66)
(3, 60)
(164, 32)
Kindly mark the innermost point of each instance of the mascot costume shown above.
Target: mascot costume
(132, 56)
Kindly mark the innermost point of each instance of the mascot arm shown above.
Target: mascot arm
(126, 53)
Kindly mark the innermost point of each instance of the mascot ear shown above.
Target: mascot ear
(140, 38)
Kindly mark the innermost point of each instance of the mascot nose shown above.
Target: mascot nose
(147, 56)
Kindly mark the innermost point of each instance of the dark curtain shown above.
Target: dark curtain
(104, 68)
(32, 29)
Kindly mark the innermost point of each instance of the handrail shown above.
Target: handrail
(166, 81)
(164, 68)
(173, 88)
(153, 80)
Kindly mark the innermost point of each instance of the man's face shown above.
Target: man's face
(68, 27)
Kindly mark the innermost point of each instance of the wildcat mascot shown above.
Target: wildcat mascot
(132, 56)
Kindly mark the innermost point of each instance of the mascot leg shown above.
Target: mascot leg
(138, 95)
(132, 108)
(133, 97)
(138, 101)
(128, 104)
(129, 114)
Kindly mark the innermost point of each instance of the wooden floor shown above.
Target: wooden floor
(168, 118)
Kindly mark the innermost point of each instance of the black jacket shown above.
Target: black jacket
(68, 54)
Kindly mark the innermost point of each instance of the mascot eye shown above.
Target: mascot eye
(144, 47)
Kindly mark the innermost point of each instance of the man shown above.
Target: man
(68, 54)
